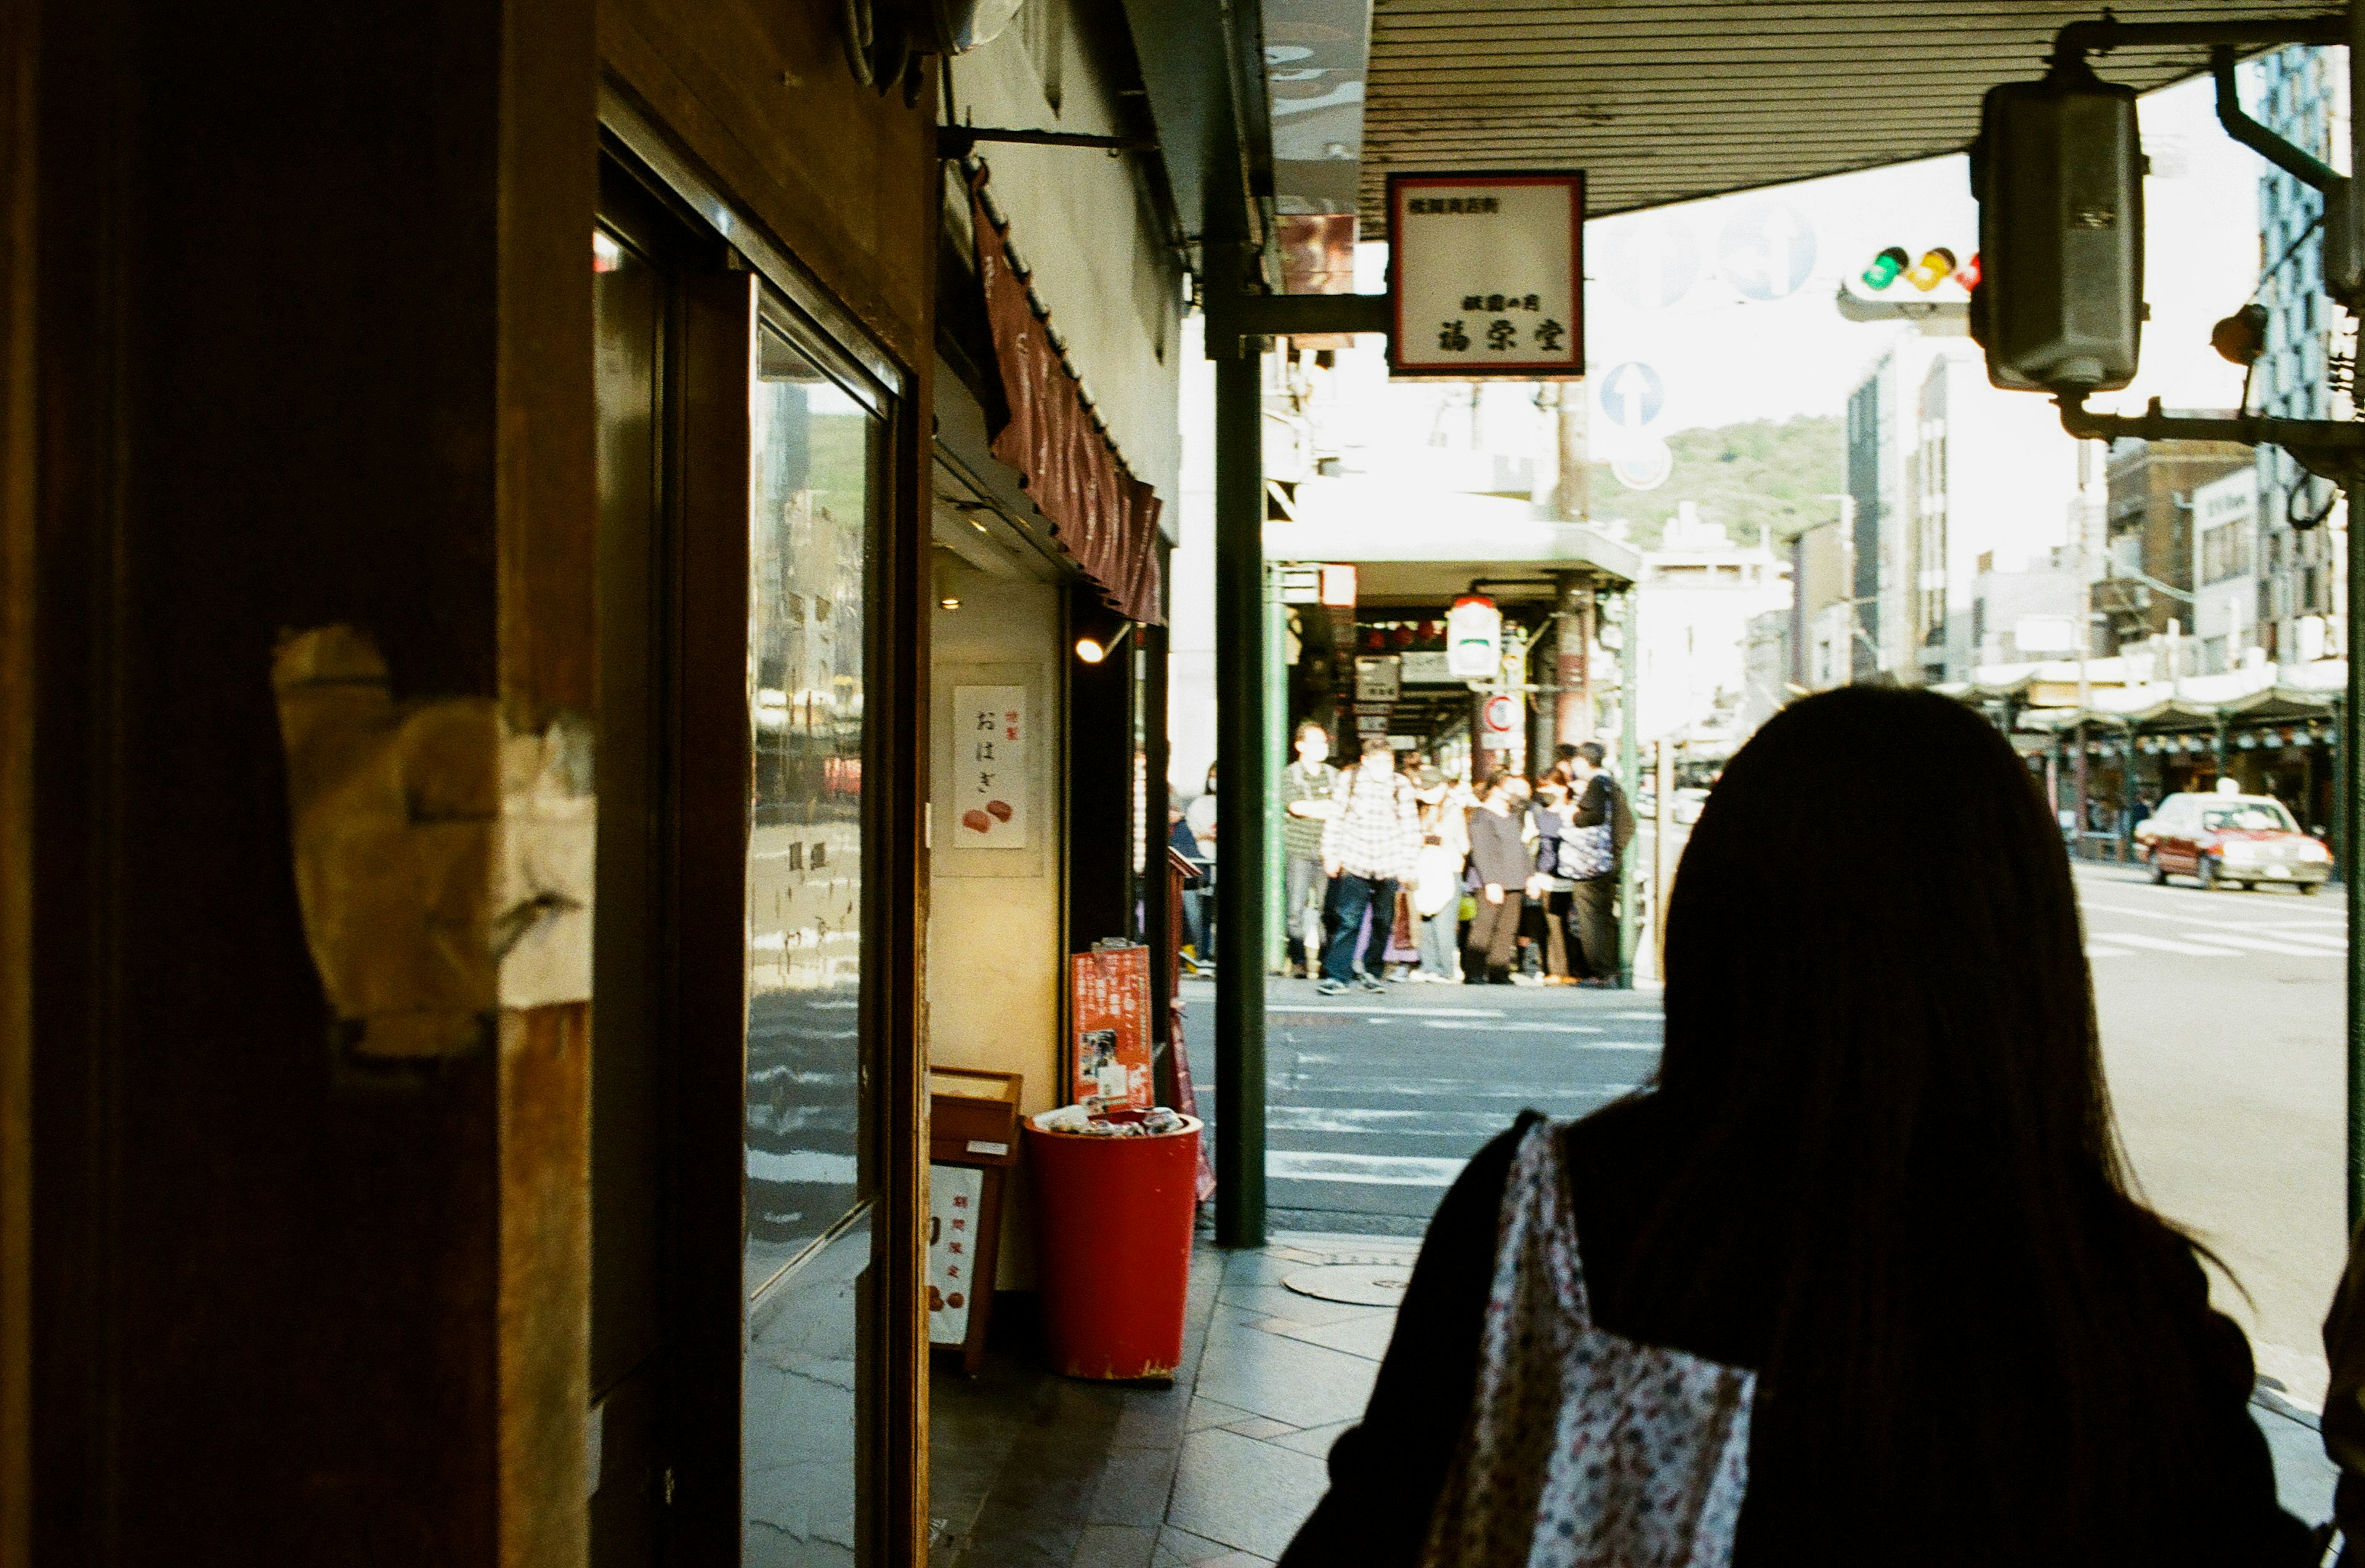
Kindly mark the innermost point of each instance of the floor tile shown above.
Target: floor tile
(1365, 1337)
(1116, 1546)
(1260, 1427)
(1248, 1495)
(1273, 1301)
(1181, 1547)
(1133, 1486)
(1315, 1440)
(1206, 1413)
(1289, 1380)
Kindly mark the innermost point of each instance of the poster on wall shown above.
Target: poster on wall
(1110, 1004)
(990, 734)
(955, 1202)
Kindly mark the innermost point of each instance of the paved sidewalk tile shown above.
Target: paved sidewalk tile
(1117, 1546)
(1250, 1496)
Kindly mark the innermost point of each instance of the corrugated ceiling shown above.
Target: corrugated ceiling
(1662, 102)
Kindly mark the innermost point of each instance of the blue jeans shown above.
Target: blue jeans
(1350, 896)
(1301, 914)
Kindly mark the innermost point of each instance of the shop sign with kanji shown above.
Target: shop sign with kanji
(1486, 275)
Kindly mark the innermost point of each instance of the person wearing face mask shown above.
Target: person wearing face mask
(1305, 807)
(1500, 865)
(1368, 847)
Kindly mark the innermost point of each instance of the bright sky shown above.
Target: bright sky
(1724, 358)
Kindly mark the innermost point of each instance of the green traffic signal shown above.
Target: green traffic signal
(1887, 268)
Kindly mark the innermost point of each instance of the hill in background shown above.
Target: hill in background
(1760, 474)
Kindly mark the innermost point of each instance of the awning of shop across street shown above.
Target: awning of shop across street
(1664, 102)
(2267, 694)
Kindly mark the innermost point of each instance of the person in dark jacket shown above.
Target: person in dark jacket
(1599, 804)
(1500, 866)
(1877, 1176)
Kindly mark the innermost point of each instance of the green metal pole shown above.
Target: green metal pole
(1240, 767)
(2352, 877)
(1277, 746)
(1630, 770)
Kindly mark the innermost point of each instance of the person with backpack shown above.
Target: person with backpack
(1369, 846)
(1592, 853)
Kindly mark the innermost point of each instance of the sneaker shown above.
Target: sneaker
(1370, 982)
(1331, 988)
(1401, 976)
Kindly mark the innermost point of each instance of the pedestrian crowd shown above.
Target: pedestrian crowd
(1408, 875)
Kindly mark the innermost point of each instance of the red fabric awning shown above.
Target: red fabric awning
(1099, 512)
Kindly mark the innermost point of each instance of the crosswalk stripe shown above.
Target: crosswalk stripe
(2096, 950)
(1366, 1170)
(2168, 944)
(2267, 945)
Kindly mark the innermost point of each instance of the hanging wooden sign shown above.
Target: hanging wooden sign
(1486, 275)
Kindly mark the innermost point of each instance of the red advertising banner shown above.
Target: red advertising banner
(1110, 1002)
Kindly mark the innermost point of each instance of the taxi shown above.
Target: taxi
(2242, 841)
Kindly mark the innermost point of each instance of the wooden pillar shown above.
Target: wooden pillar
(314, 348)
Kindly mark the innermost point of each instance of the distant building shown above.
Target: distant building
(1821, 637)
(1694, 602)
(2225, 627)
(1951, 481)
(2303, 96)
(2148, 584)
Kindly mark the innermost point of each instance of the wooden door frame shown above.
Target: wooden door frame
(709, 837)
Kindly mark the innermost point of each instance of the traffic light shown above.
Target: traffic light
(1935, 267)
(1885, 268)
(2057, 170)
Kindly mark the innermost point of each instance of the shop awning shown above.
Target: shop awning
(1664, 102)
(2266, 694)
(1100, 513)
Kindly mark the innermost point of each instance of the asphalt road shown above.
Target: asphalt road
(1375, 1100)
(2222, 1035)
(2221, 1016)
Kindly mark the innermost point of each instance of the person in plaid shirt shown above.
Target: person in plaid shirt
(1368, 846)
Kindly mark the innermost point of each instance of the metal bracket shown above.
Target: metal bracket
(1233, 316)
(958, 142)
(2329, 449)
(2075, 40)
(1945, 314)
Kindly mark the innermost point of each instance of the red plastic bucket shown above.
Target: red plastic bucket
(1113, 1221)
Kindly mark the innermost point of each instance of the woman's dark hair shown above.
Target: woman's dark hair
(1881, 1052)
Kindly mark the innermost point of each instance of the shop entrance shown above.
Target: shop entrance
(740, 1379)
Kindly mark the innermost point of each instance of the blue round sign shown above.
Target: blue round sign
(1650, 262)
(1766, 250)
(1632, 394)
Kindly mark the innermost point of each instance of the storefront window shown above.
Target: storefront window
(814, 490)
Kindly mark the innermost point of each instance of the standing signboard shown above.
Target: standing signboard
(972, 1144)
(1110, 1004)
(1486, 275)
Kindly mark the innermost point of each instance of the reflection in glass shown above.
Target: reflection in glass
(801, 1383)
(812, 493)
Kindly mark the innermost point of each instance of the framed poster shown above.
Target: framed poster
(991, 734)
(1486, 275)
(1109, 1064)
